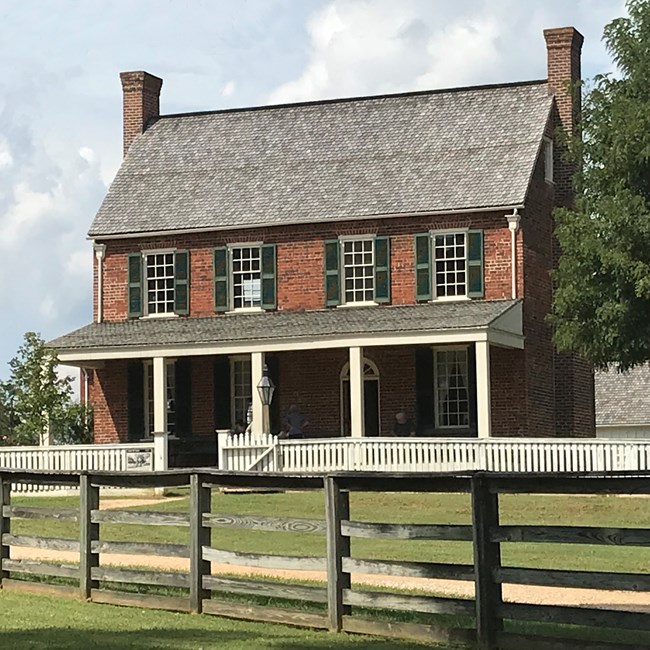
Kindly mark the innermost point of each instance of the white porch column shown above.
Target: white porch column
(357, 424)
(483, 410)
(159, 395)
(257, 368)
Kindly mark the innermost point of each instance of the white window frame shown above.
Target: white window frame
(234, 360)
(145, 281)
(548, 159)
(434, 284)
(346, 240)
(231, 276)
(436, 397)
(147, 378)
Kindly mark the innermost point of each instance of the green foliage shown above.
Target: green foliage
(602, 304)
(35, 398)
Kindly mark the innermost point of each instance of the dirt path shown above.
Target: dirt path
(625, 600)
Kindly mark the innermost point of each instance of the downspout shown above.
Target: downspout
(100, 252)
(513, 225)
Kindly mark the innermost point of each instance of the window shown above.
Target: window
(449, 265)
(449, 252)
(548, 160)
(171, 398)
(357, 271)
(451, 391)
(240, 373)
(244, 277)
(158, 283)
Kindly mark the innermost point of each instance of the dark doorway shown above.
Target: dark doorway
(370, 407)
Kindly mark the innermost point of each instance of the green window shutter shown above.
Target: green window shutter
(135, 285)
(423, 267)
(182, 282)
(332, 273)
(382, 269)
(269, 289)
(221, 272)
(475, 281)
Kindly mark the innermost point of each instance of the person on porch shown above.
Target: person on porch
(403, 426)
(295, 423)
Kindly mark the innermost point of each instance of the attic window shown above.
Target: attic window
(548, 160)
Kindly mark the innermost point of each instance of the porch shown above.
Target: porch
(348, 370)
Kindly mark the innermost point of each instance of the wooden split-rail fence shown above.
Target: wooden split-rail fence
(484, 621)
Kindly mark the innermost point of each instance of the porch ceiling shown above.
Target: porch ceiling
(443, 322)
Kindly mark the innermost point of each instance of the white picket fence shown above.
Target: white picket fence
(114, 458)
(248, 452)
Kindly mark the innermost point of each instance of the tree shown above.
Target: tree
(36, 398)
(601, 306)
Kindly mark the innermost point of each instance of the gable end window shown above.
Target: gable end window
(357, 271)
(244, 277)
(449, 265)
(548, 159)
(158, 283)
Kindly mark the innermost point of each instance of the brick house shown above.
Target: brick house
(378, 254)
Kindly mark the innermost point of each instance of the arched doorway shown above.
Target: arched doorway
(370, 399)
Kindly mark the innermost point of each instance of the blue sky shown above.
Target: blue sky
(60, 97)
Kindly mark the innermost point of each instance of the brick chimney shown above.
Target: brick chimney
(563, 46)
(141, 103)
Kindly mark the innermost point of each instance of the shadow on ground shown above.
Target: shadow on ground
(61, 638)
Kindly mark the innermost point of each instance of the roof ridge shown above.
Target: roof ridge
(361, 98)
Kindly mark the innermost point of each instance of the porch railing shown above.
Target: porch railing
(248, 452)
(75, 458)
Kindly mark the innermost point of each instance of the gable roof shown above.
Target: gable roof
(623, 398)
(468, 148)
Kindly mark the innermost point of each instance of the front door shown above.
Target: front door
(370, 399)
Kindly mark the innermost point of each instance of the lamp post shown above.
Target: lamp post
(266, 388)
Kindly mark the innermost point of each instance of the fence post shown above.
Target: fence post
(5, 523)
(487, 558)
(199, 537)
(337, 509)
(88, 533)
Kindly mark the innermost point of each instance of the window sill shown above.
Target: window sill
(451, 299)
(246, 310)
(154, 316)
(348, 305)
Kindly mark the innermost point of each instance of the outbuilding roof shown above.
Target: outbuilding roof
(460, 149)
(623, 398)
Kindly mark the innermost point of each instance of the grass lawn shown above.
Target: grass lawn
(37, 622)
(605, 510)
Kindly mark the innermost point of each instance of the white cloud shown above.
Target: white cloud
(360, 47)
(228, 89)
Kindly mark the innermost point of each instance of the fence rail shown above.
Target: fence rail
(339, 604)
(246, 452)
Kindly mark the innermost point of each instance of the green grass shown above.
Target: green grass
(607, 511)
(34, 623)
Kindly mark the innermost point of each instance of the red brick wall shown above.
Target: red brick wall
(508, 392)
(300, 271)
(108, 395)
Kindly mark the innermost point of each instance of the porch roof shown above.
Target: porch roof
(283, 330)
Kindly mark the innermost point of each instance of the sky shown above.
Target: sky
(60, 98)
